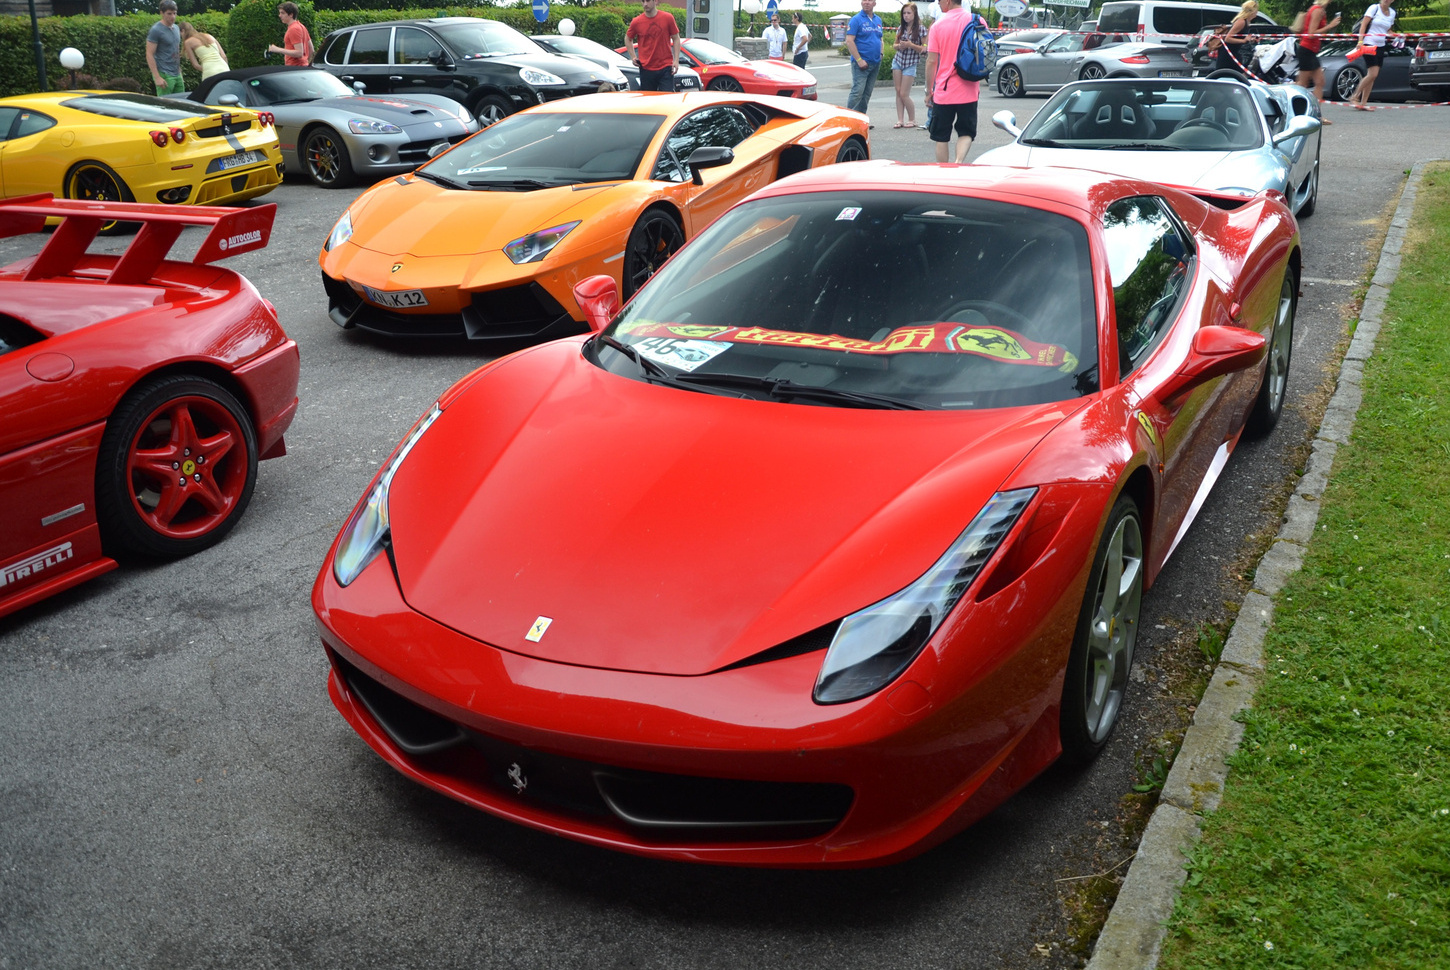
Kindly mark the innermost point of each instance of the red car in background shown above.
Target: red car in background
(722, 69)
(138, 393)
(785, 567)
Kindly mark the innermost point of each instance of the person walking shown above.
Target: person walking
(1373, 30)
(775, 39)
(296, 49)
(163, 51)
(1311, 72)
(951, 98)
(658, 51)
(203, 50)
(910, 46)
(1230, 52)
(863, 42)
(801, 41)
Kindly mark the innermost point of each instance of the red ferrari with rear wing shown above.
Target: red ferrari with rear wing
(139, 393)
(835, 535)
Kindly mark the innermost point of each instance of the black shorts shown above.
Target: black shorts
(662, 80)
(946, 116)
(1377, 59)
(1308, 60)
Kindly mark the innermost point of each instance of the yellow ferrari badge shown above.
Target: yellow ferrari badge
(536, 632)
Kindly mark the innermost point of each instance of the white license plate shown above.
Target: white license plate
(1438, 55)
(239, 159)
(396, 299)
(1173, 74)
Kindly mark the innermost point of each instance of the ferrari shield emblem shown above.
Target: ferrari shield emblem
(536, 632)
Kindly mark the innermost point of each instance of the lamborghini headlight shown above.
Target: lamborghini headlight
(873, 646)
(368, 530)
(536, 77)
(536, 245)
(341, 232)
(371, 126)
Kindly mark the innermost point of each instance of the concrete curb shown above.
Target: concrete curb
(1132, 937)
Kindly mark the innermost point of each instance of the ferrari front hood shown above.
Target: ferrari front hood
(563, 512)
(422, 219)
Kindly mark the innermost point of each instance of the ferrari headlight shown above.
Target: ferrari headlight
(341, 232)
(365, 533)
(872, 647)
(371, 126)
(536, 77)
(536, 245)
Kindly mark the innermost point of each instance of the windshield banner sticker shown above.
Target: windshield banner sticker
(997, 343)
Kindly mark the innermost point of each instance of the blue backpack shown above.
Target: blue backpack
(977, 51)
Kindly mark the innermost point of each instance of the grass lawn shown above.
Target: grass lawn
(1332, 846)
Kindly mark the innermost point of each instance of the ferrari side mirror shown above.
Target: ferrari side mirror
(1297, 126)
(702, 158)
(1007, 121)
(598, 297)
(1216, 351)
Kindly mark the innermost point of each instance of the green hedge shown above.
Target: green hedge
(253, 24)
(603, 26)
(1416, 25)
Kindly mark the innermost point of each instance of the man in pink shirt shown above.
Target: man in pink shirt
(952, 99)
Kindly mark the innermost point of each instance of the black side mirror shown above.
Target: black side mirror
(702, 158)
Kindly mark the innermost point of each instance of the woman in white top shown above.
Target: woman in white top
(1373, 31)
(204, 51)
(801, 42)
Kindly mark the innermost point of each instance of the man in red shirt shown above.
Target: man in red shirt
(297, 43)
(952, 98)
(658, 54)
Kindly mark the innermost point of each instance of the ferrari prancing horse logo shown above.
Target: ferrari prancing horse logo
(537, 631)
(516, 775)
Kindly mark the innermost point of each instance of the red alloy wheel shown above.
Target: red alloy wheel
(177, 467)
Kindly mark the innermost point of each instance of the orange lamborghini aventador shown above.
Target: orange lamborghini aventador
(488, 239)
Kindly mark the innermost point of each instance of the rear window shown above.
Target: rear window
(1119, 18)
(1179, 20)
(139, 107)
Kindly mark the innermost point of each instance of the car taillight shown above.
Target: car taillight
(1419, 52)
(178, 136)
(159, 137)
(266, 118)
(1140, 59)
(1186, 58)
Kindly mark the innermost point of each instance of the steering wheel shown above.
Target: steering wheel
(1203, 123)
(982, 307)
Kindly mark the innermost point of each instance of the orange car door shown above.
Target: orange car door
(718, 126)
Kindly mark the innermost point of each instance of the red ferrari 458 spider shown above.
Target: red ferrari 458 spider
(833, 537)
(138, 393)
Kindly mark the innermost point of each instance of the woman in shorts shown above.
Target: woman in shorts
(1311, 72)
(1373, 30)
(910, 46)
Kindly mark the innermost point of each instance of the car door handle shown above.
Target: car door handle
(395, 77)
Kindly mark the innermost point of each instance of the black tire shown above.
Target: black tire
(325, 158)
(491, 108)
(1107, 631)
(1307, 209)
(1009, 82)
(98, 182)
(1345, 82)
(1091, 72)
(853, 149)
(654, 239)
(724, 83)
(1270, 402)
(141, 509)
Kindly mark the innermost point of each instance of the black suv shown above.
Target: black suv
(486, 66)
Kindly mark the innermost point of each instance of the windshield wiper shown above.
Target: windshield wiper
(292, 101)
(519, 184)
(777, 387)
(1144, 146)
(442, 180)
(1043, 143)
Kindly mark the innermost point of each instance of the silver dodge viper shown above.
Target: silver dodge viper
(1225, 136)
(334, 135)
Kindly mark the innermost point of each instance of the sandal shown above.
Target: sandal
(909, 124)
(897, 125)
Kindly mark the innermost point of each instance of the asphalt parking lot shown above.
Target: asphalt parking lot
(177, 790)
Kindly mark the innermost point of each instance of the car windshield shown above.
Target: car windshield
(871, 299)
(1148, 115)
(288, 87)
(485, 38)
(543, 149)
(709, 52)
(584, 47)
(139, 107)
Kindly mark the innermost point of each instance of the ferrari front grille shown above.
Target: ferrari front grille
(650, 805)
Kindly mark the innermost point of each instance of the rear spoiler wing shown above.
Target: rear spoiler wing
(233, 231)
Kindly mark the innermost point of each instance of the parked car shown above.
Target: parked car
(1430, 68)
(1021, 41)
(1220, 136)
(1342, 75)
(332, 134)
(113, 146)
(139, 393)
(686, 79)
(1166, 21)
(1131, 60)
(722, 69)
(1046, 67)
(786, 567)
(488, 240)
(486, 66)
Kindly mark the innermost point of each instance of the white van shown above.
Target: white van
(1166, 21)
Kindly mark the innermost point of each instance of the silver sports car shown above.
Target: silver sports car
(1054, 62)
(1218, 135)
(334, 135)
